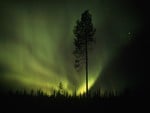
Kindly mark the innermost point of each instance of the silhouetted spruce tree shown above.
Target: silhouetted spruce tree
(84, 32)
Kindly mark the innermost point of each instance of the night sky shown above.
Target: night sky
(36, 45)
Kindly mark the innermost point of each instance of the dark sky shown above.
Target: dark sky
(36, 44)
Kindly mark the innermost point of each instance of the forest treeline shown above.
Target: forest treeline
(39, 101)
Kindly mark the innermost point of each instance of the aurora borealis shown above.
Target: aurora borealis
(36, 42)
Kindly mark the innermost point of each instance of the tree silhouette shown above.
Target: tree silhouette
(60, 88)
(84, 32)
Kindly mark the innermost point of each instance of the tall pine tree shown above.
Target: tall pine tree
(84, 32)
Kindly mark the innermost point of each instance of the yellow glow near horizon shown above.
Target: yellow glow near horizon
(91, 81)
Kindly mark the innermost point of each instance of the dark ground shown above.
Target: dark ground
(24, 103)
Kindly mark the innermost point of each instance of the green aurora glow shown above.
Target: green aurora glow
(36, 42)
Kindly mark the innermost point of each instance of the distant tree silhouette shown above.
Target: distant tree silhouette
(60, 86)
(60, 89)
(84, 32)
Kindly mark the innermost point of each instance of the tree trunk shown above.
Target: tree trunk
(86, 67)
